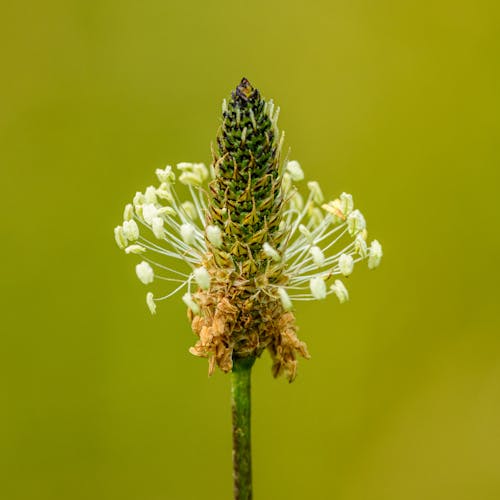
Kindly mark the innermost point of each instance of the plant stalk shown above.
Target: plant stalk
(241, 409)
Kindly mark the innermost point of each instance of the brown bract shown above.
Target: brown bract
(238, 321)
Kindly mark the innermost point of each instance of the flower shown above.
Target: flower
(252, 244)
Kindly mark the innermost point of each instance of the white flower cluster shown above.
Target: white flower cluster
(324, 240)
(158, 226)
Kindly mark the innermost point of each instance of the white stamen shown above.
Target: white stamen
(150, 301)
(214, 236)
(307, 234)
(355, 222)
(166, 211)
(347, 204)
(184, 166)
(375, 254)
(136, 249)
(187, 298)
(285, 299)
(138, 199)
(340, 291)
(317, 255)
(128, 212)
(193, 174)
(164, 193)
(346, 264)
(120, 239)
(360, 245)
(144, 272)
(296, 202)
(316, 192)
(149, 212)
(166, 175)
(150, 195)
(190, 179)
(190, 210)
(316, 216)
(202, 277)
(318, 288)
(295, 170)
(157, 227)
(130, 230)
(202, 170)
(270, 252)
(188, 233)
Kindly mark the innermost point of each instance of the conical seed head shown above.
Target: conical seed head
(245, 196)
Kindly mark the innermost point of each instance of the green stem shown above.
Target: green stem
(241, 406)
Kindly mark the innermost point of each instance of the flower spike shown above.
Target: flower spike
(251, 242)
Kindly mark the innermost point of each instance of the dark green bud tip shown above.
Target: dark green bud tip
(245, 93)
(245, 198)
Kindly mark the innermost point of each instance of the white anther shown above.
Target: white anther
(214, 236)
(164, 192)
(346, 264)
(347, 205)
(285, 299)
(340, 291)
(150, 301)
(317, 255)
(317, 194)
(295, 170)
(360, 245)
(375, 254)
(136, 249)
(355, 222)
(188, 233)
(201, 170)
(150, 195)
(296, 202)
(316, 216)
(120, 238)
(271, 252)
(128, 212)
(190, 179)
(190, 210)
(144, 272)
(166, 212)
(130, 230)
(149, 212)
(306, 233)
(202, 277)
(157, 227)
(318, 287)
(166, 175)
(138, 199)
(187, 298)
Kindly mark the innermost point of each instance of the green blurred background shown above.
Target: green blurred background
(396, 102)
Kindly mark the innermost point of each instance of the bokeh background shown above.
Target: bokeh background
(396, 102)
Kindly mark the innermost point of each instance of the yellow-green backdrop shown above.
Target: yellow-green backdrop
(394, 101)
